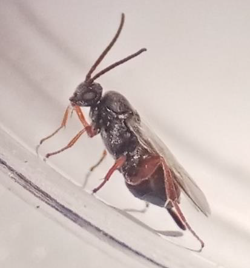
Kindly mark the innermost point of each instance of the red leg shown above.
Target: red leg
(172, 201)
(88, 128)
(81, 117)
(70, 144)
(63, 124)
(145, 170)
(176, 218)
(90, 131)
(118, 163)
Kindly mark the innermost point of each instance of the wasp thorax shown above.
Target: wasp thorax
(87, 94)
(117, 103)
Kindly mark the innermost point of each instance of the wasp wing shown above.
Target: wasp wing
(154, 144)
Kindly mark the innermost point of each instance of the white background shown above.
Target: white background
(192, 86)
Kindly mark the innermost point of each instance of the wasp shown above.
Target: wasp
(150, 170)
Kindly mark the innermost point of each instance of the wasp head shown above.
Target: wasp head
(87, 94)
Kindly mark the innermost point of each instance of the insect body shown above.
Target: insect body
(150, 171)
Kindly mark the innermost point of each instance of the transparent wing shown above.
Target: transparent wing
(153, 143)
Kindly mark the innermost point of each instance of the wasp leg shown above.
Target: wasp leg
(145, 170)
(87, 128)
(176, 218)
(70, 144)
(63, 124)
(172, 202)
(90, 131)
(118, 164)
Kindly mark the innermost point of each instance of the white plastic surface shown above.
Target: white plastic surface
(192, 86)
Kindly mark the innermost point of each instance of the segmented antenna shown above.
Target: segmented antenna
(106, 50)
(112, 66)
(88, 78)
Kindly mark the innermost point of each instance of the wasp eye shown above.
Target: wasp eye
(89, 95)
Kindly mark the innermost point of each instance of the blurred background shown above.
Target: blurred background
(191, 86)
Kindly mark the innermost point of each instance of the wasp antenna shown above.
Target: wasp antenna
(104, 53)
(114, 65)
